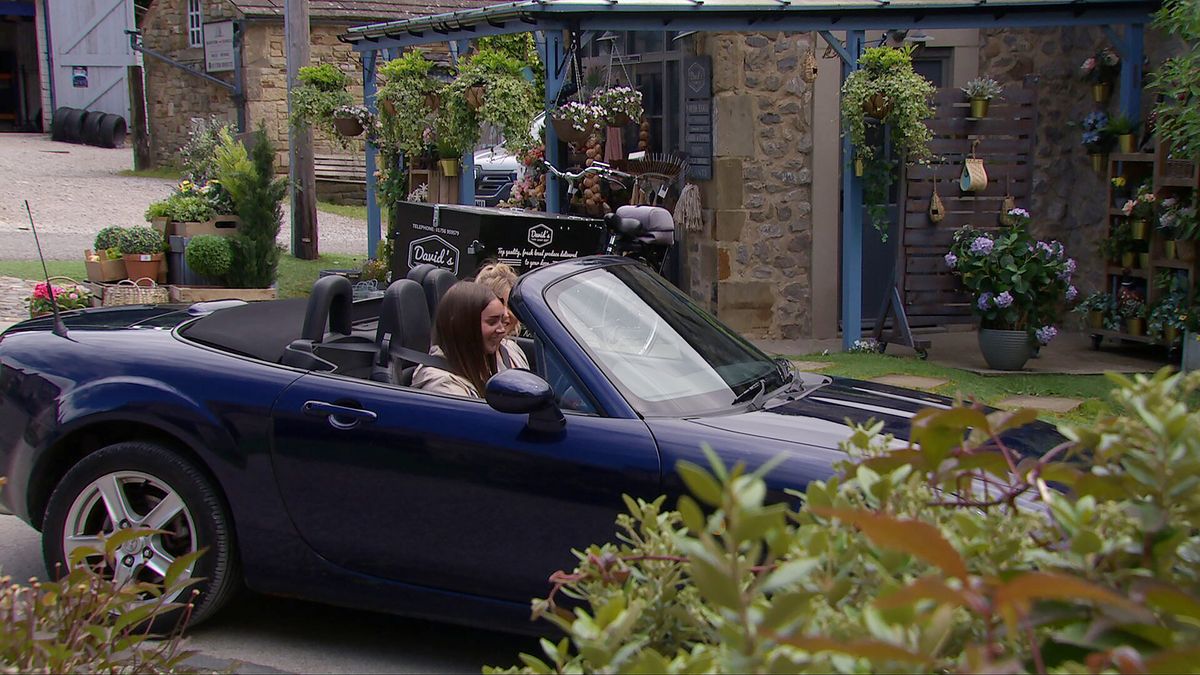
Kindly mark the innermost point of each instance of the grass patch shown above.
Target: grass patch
(359, 212)
(295, 278)
(171, 173)
(1092, 389)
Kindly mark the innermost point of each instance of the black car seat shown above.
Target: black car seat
(326, 340)
(436, 283)
(403, 325)
(418, 273)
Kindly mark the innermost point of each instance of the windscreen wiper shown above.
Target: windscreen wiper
(749, 393)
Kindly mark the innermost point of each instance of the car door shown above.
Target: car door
(445, 492)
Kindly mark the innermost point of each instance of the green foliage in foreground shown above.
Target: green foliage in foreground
(949, 554)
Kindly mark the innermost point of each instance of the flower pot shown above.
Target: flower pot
(433, 100)
(1186, 249)
(1095, 319)
(1135, 326)
(1170, 335)
(1127, 143)
(1005, 349)
(1098, 160)
(1140, 229)
(1191, 352)
(979, 107)
(348, 126)
(1170, 251)
(568, 133)
(449, 167)
(620, 120)
(878, 106)
(474, 96)
(388, 105)
(1101, 92)
(1129, 259)
(143, 266)
(859, 167)
(1143, 260)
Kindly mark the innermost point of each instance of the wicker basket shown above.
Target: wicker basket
(128, 292)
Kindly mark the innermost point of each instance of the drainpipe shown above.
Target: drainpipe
(49, 55)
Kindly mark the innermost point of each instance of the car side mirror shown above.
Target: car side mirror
(522, 392)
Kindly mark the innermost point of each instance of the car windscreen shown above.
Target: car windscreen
(666, 355)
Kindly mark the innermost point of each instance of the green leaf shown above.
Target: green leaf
(648, 662)
(1170, 599)
(755, 524)
(784, 609)
(699, 482)
(1086, 542)
(631, 506)
(918, 539)
(689, 510)
(535, 664)
(925, 588)
(790, 573)
(715, 585)
(939, 431)
(872, 650)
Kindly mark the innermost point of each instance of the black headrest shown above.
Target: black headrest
(418, 273)
(436, 283)
(328, 305)
(404, 317)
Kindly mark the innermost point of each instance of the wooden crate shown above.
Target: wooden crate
(206, 293)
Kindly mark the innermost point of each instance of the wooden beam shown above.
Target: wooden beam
(138, 131)
(303, 183)
(852, 222)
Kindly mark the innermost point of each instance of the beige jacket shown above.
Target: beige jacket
(446, 382)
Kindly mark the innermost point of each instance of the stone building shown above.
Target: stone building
(174, 29)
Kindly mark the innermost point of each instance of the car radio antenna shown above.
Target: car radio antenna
(60, 329)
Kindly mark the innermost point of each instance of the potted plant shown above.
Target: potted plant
(1184, 228)
(576, 122)
(103, 261)
(210, 258)
(1123, 129)
(886, 88)
(1140, 210)
(406, 119)
(320, 92)
(1095, 138)
(1018, 286)
(980, 91)
(142, 248)
(1094, 308)
(251, 179)
(448, 158)
(353, 120)
(1166, 318)
(1100, 70)
(621, 104)
(1120, 191)
(46, 295)
(1177, 80)
(1133, 313)
(512, 102)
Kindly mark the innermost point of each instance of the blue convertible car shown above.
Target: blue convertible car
(273, 435)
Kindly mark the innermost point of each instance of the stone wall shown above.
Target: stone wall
(759, 203)
(1068, 196)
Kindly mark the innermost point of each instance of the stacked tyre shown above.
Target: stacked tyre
(92, 127)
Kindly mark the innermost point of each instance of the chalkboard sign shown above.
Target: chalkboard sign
(697, 108)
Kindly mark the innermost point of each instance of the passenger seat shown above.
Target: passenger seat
(403, 324)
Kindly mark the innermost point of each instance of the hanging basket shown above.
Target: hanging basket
(433, 101)
(388, 106)
(878, 106)
(130, 292)
(567, 132)
(348, 126)
(474, 97)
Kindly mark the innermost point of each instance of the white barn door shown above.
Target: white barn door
(91, 53)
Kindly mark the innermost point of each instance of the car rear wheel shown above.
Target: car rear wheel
(144, 485)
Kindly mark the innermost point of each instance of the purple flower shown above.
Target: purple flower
(982, 245)
(984, 301)
(951, 260)
(1045, 334)
(1072, 293)
(1018, 212)
(1004, 300)
(1067, 271)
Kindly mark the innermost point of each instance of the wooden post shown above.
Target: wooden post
(139, 133)
(303, 184)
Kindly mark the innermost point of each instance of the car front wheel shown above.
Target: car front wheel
(146, 486)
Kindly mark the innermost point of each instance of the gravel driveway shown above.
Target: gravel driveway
(74, 190)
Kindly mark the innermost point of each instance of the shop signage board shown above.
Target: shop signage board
(697, 95)
(218, 46)
(459, 238)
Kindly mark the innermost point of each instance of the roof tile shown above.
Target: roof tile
(368, 11)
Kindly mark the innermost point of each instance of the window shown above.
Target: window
(652, 61)
(195, 25)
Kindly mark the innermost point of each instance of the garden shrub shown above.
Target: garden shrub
(106, 238)
(209, 256)
(141, 239)
(949, 554)
(249, 177)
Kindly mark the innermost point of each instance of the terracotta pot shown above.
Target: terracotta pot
(449, 167)
(388, 105)
(567, 132)
(1005, 349)
(433, 100)
(979, 107)
(1095, 319)
(1129, 259)
(1101, 92)
(1127, 143)
(1170, 251)
(348, 126)
(1186, 249)
(1098, 160)
(474, 96)
(142, 266)
(878, 106)
(1140, 229)
(1136, 326)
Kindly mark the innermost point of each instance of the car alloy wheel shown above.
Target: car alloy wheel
(146, 486)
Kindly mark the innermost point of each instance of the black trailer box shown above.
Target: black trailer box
(459, 238)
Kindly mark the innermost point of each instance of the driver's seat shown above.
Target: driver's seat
(326, 340)
(403, 325)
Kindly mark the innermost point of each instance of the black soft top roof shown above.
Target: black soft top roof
(259, 330)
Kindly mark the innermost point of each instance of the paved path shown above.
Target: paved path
(74, 190)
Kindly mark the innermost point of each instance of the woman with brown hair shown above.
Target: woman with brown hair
(469, 331)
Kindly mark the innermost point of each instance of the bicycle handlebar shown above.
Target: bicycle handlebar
(596, 167)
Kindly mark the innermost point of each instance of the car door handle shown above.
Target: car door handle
(339, 416)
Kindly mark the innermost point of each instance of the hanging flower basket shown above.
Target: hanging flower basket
(474, 96)
(569, 133)
(433, 100)
(878, 106)
(348, 126)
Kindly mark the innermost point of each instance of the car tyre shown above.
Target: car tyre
(134, 478)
